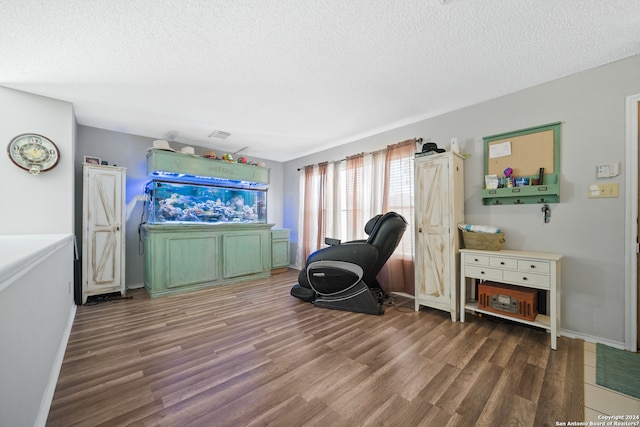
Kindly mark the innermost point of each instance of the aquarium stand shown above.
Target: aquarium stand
(188, 257)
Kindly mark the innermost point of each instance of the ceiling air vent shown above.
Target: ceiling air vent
(219, 134)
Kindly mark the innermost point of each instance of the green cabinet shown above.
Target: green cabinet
(167, 164)
(279, 248)
(187, 257)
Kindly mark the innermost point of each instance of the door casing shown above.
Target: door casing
(631, 222)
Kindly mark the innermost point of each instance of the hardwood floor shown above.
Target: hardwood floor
(252, 355)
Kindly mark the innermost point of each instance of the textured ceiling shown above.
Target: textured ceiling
(290, 77)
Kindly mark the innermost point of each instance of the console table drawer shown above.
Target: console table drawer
(531, 279)
(533, 266)
(483, 273)
(477, 260)
(499, 262)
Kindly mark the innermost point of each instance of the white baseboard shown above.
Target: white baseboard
(135, 286)
(589, 338)
(402, 294)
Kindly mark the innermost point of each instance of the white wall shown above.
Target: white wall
(589, 232)
(37, 310)
(36, 204)
(36, 315)
(129, 151)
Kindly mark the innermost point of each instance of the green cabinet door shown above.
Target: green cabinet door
(244, 254)
(279, 248)
(191, 260)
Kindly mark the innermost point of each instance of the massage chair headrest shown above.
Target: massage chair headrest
(371, 224)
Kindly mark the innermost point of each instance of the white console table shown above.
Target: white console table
(536, 270)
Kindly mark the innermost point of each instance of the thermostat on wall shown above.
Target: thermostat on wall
(607, 170)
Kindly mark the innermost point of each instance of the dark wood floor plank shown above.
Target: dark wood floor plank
(476, 398)
(574, 379)
(251, 355)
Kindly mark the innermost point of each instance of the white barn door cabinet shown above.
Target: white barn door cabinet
(439, 207)
(103, 230)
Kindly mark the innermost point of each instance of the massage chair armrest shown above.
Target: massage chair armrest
(331, 241)
(337, 242)
(362, 254)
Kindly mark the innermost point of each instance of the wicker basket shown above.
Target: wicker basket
(483, 241)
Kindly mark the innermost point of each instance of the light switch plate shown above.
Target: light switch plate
(597, 191)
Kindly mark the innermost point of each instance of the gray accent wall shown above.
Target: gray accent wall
(590, 233)
(129, 151)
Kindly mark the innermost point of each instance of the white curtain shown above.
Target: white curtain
(338, 199)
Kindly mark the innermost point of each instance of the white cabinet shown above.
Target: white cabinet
(535, 270)
(439, 207)
(103, 228)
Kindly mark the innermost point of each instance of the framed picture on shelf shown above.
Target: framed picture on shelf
(92, 160)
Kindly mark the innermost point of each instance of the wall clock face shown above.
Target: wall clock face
(34, 153)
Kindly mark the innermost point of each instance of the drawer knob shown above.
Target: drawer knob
(476, 259)
(501, 262)
(482, 272)
(524, 278)
(533, 266)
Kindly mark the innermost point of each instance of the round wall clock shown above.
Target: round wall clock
(34, 153)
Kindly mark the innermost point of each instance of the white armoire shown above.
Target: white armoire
(103, 230)
(439, 208)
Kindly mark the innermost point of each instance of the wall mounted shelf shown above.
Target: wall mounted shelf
(525, 151)
(522, 195)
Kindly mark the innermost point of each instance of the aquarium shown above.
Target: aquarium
(176, 203)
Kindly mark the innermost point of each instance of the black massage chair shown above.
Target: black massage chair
(343, 275)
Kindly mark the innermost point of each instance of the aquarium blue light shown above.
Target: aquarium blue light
(206, 180)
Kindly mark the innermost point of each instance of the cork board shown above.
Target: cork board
(528, 153)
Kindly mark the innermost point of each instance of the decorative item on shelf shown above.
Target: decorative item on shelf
(92, 160)
(188, 150)
(227, 157)
(104, 163)
(262, 164)
(508, 177)
(492, 182)
(455, 147)
(209, 154)
(161, 144)
(429, 148)
(521, 182)
(508, 300)
(242, 159)
(33, 153)
(483, 241)
(482, 237)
